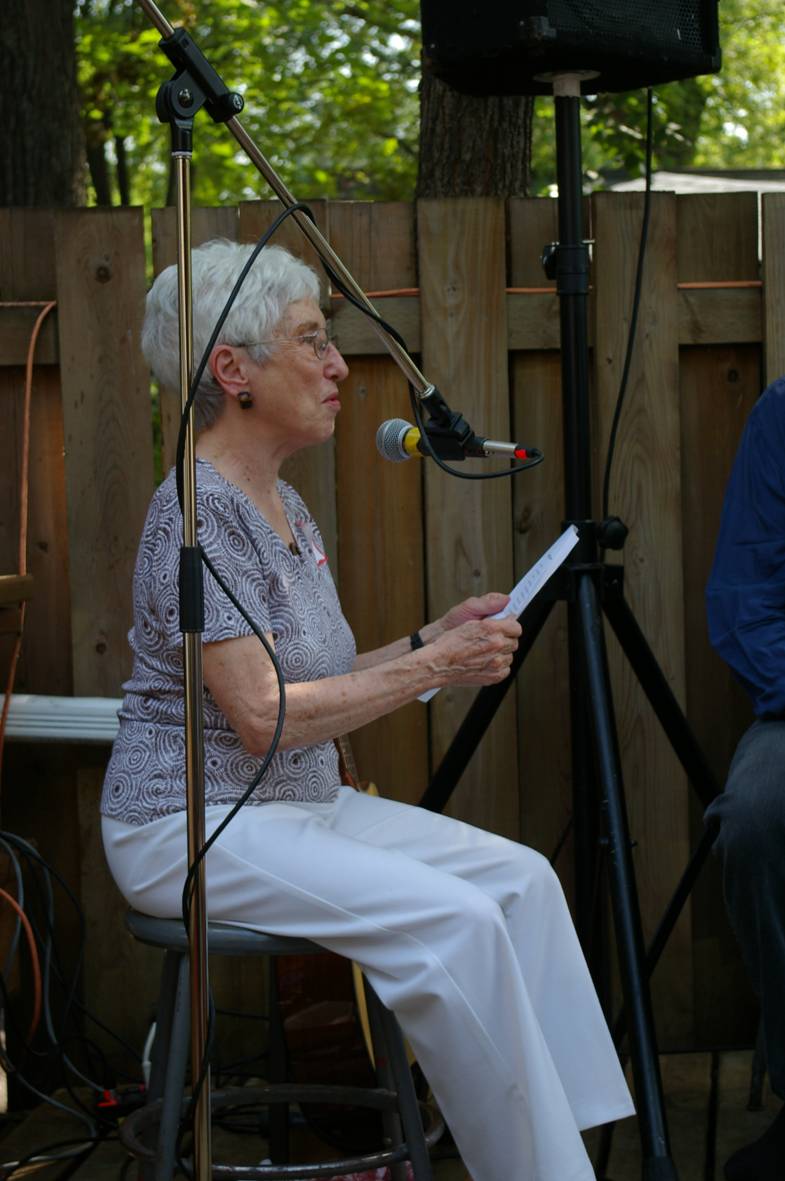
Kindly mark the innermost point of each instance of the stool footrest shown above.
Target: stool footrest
(145, 1119)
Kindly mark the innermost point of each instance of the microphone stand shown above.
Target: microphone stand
(223, 106)
(176, 104)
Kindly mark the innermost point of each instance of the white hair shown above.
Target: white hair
(275, 280)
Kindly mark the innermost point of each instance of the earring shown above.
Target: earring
(245, 400)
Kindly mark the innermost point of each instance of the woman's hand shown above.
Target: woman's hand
(478, 651)
(478, 607)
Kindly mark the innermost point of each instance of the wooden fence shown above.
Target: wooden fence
(462, 281)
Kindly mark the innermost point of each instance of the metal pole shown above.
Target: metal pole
(194, 723)
(572, 282)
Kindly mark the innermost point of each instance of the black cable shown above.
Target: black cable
(196, 379)
(42, 876)
(187, 891)
(9, 1170)
(206, 562)
(536, 457)
(635, 308)
(50, 953)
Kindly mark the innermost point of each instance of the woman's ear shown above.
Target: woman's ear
(230, 368)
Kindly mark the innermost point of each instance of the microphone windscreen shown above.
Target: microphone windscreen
(390, 439)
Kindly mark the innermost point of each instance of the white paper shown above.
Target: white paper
(532, 582)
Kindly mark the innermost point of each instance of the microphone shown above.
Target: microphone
(397, 440)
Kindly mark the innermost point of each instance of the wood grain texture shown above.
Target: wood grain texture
(107, 432)
(461, 246)
(646, 493)
(718, 237)
(380, 541)
(774, 284)
(27, 271)
(718, 386)
(16, 326)
(538, 510)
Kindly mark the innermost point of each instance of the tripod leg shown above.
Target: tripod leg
(663, 702)
(657, 1163)
(481, 713)
(590, 921)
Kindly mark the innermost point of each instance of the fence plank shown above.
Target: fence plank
(718, 388)
(538, 510)
(106, 415)
(774, 284)
(27, 272)
(718, 237)
(469, 524)
(645, 492)
(707, 315)
(380, 542)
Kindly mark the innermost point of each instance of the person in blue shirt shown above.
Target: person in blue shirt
(745, 600)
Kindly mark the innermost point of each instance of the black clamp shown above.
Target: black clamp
(195, 85)
(568, 265)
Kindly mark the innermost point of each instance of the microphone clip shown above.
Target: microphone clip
(448, 431)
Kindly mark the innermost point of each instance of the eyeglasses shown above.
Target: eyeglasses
(320, 341)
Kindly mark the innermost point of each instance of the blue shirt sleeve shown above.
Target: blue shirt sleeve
(745, 595)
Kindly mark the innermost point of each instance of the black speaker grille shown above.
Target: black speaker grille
(664, 25)
(514, 46)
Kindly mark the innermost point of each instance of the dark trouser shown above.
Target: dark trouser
(751, 846)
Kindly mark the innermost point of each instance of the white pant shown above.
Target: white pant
(464, 935)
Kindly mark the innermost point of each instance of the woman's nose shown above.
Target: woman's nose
(334, 364)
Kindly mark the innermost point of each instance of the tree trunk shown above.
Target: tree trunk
(470, 146)
(41, 151)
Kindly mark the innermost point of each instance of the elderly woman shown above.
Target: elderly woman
(463, 934)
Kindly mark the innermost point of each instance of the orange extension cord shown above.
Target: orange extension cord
(35, 962)
(24, 504)
(24, 497)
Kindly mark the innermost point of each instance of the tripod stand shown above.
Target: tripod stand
(591, 588)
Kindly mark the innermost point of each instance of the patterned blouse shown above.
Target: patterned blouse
(289, 595)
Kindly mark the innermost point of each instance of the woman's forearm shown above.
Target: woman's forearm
(320, 710)
(243, 684)
(427, 633)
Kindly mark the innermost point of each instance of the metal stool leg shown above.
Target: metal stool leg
(392, 1068)
(177, 1053)
(277, 1071)
(151, 1133)
(167, 997)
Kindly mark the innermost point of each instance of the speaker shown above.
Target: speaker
(515, 46)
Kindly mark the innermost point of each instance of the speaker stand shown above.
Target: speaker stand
(589, 587)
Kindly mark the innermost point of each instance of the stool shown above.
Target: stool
(159, 1120)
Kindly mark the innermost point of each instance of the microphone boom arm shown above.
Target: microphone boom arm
(185, 55)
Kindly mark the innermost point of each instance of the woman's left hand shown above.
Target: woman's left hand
(477, 607)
